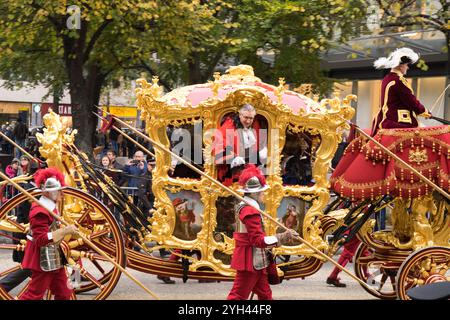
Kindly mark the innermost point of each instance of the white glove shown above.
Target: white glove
(286, 237)
(238, 161)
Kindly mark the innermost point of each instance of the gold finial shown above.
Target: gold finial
(215, 85)
(240, 74)
(155, 89)
(280, 89)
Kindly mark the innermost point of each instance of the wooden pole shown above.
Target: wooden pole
(439, 98)
(85, 239)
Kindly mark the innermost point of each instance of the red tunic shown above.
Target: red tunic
(224, 153)
(399, 106)
(242, 259)
(41, 281)
(40, 221)
(187, 216)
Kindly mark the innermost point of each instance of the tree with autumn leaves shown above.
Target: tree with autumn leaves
(83, 45)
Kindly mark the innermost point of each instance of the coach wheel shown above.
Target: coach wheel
(97, 277)
(378, 275)
(425, 266)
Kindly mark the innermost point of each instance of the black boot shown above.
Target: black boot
(166, 280)
(336, 283)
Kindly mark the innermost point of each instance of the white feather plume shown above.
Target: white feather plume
(394, 58)
(380, 63)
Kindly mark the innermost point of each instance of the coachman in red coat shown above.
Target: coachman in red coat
(43, 255)
(250, 257)
(399, 106)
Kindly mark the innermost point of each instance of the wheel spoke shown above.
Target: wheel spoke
(18, 247)
(11, 270)
(98, 266)
(91, 278)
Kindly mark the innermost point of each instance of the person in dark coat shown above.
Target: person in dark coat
(20, 133)
(136, 167)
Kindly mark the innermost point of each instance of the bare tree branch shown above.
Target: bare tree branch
(94, 39)
(153, 73)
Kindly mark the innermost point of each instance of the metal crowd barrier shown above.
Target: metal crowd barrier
(7, 192)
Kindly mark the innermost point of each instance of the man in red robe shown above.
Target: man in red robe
(250, 257)
(399, 106)
(239, 141)
(43, 255)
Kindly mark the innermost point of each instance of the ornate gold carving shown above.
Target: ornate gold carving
(304, 89)
(411, 228)
(52, 145)
(215, 85)
(280, 90)
(241, 73)
(155, 89)
(418, 156)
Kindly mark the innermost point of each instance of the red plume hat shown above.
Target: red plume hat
(50, 179)
(252, 180)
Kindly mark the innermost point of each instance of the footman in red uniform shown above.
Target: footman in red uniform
(250, 257)
(43, 255)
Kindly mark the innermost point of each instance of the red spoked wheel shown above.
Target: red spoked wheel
(425, 266)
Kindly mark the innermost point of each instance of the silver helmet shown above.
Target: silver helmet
(253, 185)
(51, 184)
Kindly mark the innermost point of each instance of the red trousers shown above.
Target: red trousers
(40, 282)
(347, 256)
(250, 281)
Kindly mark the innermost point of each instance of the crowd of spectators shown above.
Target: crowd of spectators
(13, 162)
(22, 135)
(122, 146)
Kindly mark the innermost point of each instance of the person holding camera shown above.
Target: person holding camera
(136, 167)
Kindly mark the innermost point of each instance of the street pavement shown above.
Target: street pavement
(311, 288)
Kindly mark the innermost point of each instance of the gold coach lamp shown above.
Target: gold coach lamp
(302, 136)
